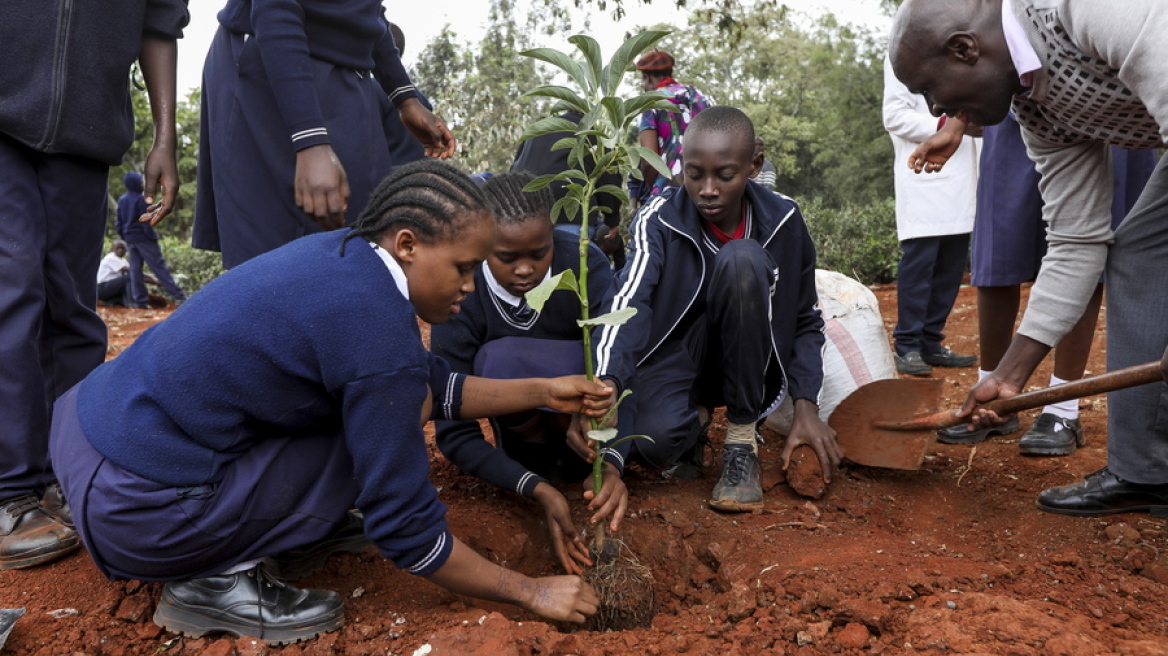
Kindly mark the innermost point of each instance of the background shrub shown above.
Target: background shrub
(192, 267)
(856, 240)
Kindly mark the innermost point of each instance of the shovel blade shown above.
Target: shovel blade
(896, 399)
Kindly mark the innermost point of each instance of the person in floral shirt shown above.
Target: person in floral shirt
(662, 130)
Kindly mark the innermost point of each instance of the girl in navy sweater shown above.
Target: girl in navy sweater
(499, 336)
(284, 393)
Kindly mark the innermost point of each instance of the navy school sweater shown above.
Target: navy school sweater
(65, 71)
(299, 341)
(484, 319)
(348, 33)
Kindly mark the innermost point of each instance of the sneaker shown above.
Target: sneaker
(55, 503)
(947, 358)
(302, 562)
(1104, 493)
(30, 536)
(738, 490)
(1052, 435)
(962, 435)
(911, 364)
(251, 604)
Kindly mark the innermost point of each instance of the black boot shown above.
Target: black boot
(252, 603)
(30, 536)
(295, 564)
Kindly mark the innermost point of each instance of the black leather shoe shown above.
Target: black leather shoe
(962, 435)
(947, 358)
(1104, 493)
(56, 505)
(30, 536)
(738, 490)
(295, 564)
(251, 603)
(911, 364)
(1052, 435)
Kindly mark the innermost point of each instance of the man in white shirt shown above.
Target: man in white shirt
(113, 276)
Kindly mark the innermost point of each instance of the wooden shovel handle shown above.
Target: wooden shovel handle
(1108, 382)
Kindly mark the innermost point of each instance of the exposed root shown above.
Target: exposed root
(625, 588)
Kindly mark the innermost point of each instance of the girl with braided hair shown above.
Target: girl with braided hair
(499, 336)
(222, 451)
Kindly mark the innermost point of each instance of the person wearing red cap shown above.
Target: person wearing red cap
(661, 130)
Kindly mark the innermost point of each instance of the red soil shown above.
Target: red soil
(951, 559)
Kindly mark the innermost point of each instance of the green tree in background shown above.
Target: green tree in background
(477, 92)
(813, 88)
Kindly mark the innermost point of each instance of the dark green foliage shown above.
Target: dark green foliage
(192, 268)
(855, 240)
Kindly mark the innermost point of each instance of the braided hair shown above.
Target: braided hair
(514, 206)
(429, 196)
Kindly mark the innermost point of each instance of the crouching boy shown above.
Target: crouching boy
(722, 273)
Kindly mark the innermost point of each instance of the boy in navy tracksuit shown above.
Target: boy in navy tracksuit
(288, 118)
(722, 274)
(142, 240)
(498, 335)
(65, 117)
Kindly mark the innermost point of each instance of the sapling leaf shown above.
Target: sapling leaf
(612, 410)
(602, 434)
(547, 126)
(563, 94)
(618, 318)
(566, 142)
(561, 61)
(655, 160)
(539, 295)
(622, 59)
(591, 50)
(541, 182)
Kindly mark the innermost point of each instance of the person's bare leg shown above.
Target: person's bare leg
(1070, 357)
(997, 310)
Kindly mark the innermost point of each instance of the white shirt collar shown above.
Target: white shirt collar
(395, 270)
(502, 294)
(1021, 52)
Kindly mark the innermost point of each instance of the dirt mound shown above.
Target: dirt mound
(952, 559)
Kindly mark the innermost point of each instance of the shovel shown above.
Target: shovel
(871, 422)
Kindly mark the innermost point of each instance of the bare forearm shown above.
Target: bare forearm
(1020, 361)
(468, 573)
(489, 397)
(158, 61)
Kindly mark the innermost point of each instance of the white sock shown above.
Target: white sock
(1066, 409)
(741, 434)
(982, 374)
(241, 567)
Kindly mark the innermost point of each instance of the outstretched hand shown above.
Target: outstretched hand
(578, 394)
(809, 429)
(931, 155)
(430, 130)
(567, 543)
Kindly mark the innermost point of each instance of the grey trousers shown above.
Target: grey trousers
(1137, 332)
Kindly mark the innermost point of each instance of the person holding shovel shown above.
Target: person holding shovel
(1079, 76)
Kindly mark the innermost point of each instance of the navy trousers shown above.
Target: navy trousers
(930, 274)
(148, 252)
(720, 357)
(52, 222)
(281, 494)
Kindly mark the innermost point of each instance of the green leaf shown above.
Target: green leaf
(560, 61)
(547, 126)
(612, 410)
(566, 142)
(541, 182)
(540, 294)
(655, 160)
(563, 94)
(625, 54)
(558, 209)
(615, 108)
(591, 50)
(651, 100)
(619, 192)
(618, 318)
